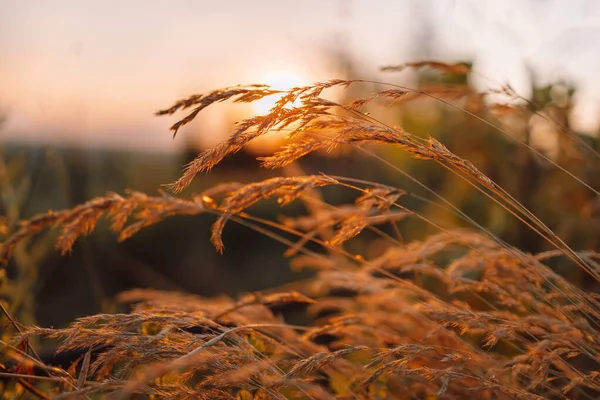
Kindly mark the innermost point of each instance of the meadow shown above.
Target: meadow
(466, 266)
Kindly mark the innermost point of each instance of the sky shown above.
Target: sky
(92, 73)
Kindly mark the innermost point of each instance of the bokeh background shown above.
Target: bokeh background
(80, 83)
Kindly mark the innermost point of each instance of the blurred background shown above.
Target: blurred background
(80, 83)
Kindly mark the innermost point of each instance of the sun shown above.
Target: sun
(278, 80)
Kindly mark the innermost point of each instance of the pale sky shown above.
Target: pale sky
(92, 73)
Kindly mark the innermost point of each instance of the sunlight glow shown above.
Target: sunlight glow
(278, 80)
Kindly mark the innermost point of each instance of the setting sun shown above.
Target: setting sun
(279, 80)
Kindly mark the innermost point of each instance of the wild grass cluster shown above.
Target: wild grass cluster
(459, 313)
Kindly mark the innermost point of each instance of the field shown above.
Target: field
(442, 241)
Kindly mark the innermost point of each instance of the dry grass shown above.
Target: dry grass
(458, 314)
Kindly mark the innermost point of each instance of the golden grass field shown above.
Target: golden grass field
(487, 290)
